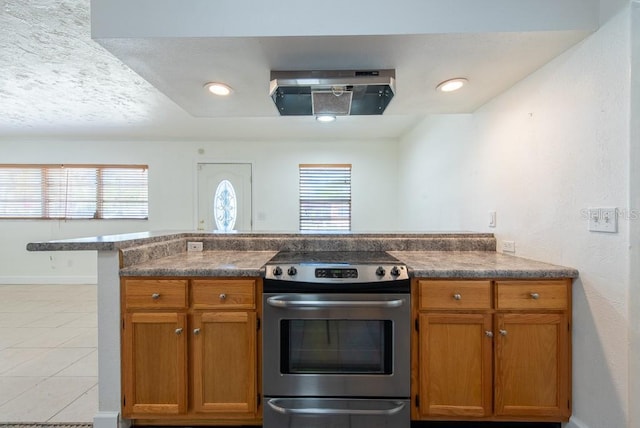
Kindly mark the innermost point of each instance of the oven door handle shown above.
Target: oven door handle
(282, 302)
(276, 405)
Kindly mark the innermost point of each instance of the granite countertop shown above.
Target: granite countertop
(206, 263)
(426, 254)
(265, 241)
(477, 264)
(106, 242)
(421, 264)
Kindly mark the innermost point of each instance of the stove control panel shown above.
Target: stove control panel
(336, 273)
(341, 273)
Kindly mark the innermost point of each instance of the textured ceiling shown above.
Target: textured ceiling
(57, 82)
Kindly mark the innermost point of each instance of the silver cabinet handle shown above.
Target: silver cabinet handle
(503, 332)
(275, 404)
(196, 331)
(155, 296)
(223, 296)
(282, 302)
(488, 333)
(457, 296)
(535, 296)
(178, 331)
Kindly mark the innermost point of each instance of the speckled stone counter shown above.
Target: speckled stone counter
(477, 264)
(427, 255)
(421, 264)
(206, 263)
(175, 244)
(251, 241)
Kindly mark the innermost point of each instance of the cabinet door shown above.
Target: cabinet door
(455, 364)
(532, 365)
(154, 364)
(225, 363)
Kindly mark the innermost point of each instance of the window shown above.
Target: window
(224, 206)
(74, 192)
(325, 197)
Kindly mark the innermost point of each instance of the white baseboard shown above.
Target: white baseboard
(575, 423)
(109, 420)
(39, 280)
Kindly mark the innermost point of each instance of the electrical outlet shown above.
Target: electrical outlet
(508, 246)
(194, 246)
(603, 220)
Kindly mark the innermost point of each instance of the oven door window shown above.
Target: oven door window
(336, 346)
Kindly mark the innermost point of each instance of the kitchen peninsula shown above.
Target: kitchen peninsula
(448, 262)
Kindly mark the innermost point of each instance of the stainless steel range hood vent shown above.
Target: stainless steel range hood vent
(332, 92)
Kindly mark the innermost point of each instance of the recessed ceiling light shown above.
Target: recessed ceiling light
(218, 88)
(324, 118)
(452, 84)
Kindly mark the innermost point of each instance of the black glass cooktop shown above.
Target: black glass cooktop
(333, 257)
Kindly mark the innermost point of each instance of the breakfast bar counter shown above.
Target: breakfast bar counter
(236, 255)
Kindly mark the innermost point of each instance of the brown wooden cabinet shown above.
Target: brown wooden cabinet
(156, 362)
(455, 366)
(224, 347)
(492, 350)
(154, 347)
(189, 350)
(533, 348)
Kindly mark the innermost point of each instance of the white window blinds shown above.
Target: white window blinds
(325, 197)
(74, 192)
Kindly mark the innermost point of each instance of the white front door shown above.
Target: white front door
(233, 205)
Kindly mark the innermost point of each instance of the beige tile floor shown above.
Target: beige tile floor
(48, 355)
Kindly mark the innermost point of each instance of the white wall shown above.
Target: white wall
(429, 173)
(540, 154)
(172, 184)
(634, 203)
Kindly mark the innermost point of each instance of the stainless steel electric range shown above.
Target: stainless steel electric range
(336, 341)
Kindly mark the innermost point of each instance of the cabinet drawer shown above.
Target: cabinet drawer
(455, 294)
(543, 294)
(155, 293)
(221, 293)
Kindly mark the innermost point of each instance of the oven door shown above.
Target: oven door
(336, 345)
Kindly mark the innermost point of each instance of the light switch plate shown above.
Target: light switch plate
(492, 219)
(603, 220)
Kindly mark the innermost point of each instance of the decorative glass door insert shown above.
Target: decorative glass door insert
(225, 204)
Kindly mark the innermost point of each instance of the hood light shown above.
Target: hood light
(218, 89)
(325, 118)
(452, 84)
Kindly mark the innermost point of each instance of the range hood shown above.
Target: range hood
(332, 92)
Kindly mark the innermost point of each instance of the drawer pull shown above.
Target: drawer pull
(178, 331)
(155, 296)
(503, 332)
(457, 296)
(535, 296)
(488, 333)
(196, 331)
(223, 296)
